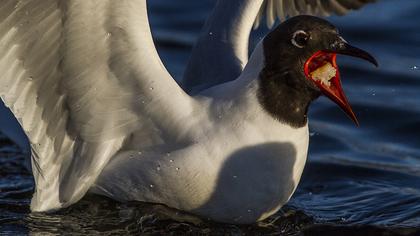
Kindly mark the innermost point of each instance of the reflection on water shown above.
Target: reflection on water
(367, 176)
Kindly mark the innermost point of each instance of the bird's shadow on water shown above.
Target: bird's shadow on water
(253, 180)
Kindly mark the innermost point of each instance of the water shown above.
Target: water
(362, 180)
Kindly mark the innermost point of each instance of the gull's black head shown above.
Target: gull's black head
(300, 65)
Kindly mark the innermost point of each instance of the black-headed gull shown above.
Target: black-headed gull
(102, 113)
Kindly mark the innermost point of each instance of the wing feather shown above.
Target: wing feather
(309, 7)
(270, 12)
(80, 77)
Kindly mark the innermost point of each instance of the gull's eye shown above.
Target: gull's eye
(300, 38)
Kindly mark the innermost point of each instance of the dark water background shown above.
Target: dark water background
(358, 181)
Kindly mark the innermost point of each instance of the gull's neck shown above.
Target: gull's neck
(279, 94)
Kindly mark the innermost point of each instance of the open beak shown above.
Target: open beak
(322, 69)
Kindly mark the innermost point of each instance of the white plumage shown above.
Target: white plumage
(84, 80)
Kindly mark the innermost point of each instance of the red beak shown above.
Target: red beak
(333, 89)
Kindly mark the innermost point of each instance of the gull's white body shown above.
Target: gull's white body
(84, 80)
(212, 171)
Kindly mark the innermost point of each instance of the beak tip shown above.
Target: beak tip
(375, 62)
(354, 119)
(371, 59)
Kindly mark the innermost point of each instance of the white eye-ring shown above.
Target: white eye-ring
(300, 38)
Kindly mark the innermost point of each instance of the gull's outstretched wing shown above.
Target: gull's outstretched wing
(281, 9)
(81, 77)
(221, 51)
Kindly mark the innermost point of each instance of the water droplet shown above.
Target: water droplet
(108, 34)
(237, 218)
(168, 154)
(249, 211)
(171, 160)
(177, 168)
(151, 88)
(211, 33)
(414, 67)
(311, 134)
(158, 168)
(139, 153)
(152, 186)
(30, 78)
(235, 176)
